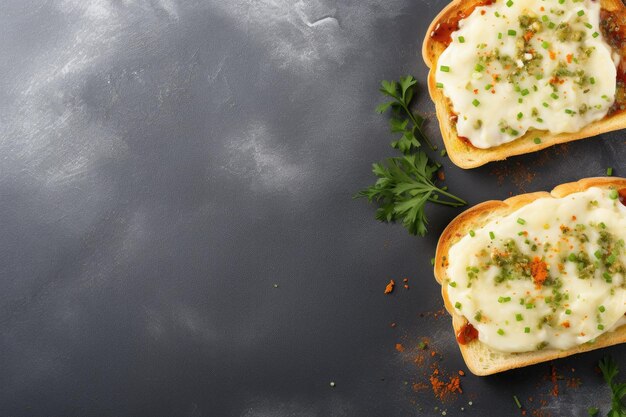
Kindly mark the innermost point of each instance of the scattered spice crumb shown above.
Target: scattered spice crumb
(522, 175)
(419, 386)
(442, 389)
(399, 347)
(554, 379)
(573, 382)
(392, 325)
(389, 287)
(461, 373)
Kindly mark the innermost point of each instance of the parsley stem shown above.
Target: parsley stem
(460, 201)
(445, 203)
(416, 125)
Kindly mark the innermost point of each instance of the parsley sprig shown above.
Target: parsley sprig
(609, 372)
(406, 183)
(402, 93)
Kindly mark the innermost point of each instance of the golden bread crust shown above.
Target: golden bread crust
(481, 359)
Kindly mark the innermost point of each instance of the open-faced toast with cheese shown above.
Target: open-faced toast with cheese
(510, 77)
(538, 276)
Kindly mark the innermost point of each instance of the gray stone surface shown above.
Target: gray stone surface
(164, 163)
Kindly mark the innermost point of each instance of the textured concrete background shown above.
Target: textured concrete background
(164, 163)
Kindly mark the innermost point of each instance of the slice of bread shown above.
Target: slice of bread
(462, 153)
(480, 358)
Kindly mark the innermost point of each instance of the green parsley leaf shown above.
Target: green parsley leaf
(402, 92)
(405, 184)
(609, 371)
(381, 108)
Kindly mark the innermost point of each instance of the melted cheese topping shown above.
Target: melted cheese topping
(517, 65)
(552, 274)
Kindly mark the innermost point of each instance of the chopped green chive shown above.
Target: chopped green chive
(521, 221)
(519, 100)
(545, 104)
(517, 403)
(443, 152)
(561, 1)
(453, 284)
(444, 68)
(539, 120)
(595, 34)
(613, 195)
(439, 85)
(592, 80)
(520, 115)
(589, 26)
(598, 254)
(499, 35)
(610, 260)
(607, 277)
(492, 235)
(524, 92)
(501, 332)
(511, 32)
(509, 3)
(457, 305)
(519, 317)
(461, 39)
(602, 309)
(472, 233)
(569, 111)
(432, 261)
(545, 44)
(476, 103)
(580, 12)
(554, 95)
(545, 18)
(478, 68)
(568, 311)
(537, 140)
(526, 329)
(600, 327)
(504, 299)
(529, 306)
(609, 171)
